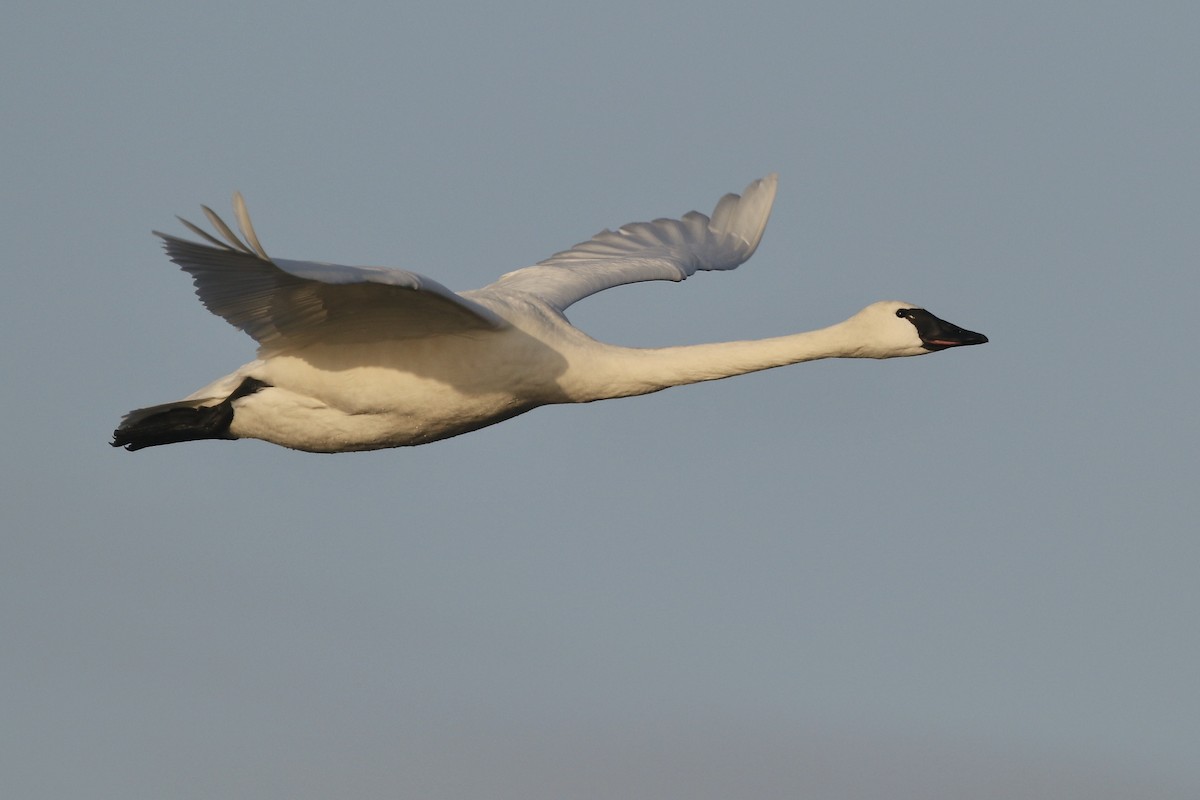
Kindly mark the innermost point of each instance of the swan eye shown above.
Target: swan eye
(902, 313)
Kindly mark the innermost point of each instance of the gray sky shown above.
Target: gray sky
(964, 575)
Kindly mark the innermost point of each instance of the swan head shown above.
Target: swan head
(892, 328)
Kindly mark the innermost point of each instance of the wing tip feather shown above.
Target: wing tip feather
(247, 227)
(746, 215)
(232, 243)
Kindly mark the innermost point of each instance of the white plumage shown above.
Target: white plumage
(361, 358)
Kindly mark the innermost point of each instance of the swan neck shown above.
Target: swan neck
(644, 370)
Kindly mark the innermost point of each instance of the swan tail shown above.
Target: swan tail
(182, 421)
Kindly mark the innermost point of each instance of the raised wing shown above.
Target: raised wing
(665, 249)
(283, 303)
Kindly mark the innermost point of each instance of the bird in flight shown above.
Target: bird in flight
(363, 358)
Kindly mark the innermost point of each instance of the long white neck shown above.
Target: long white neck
(621, 372)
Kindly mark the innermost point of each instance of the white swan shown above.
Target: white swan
(361, 358)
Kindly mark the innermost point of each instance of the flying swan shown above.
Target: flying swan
(362, 358)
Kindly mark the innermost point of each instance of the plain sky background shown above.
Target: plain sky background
(972, 574)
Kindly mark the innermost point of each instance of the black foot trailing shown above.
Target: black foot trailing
(182, 422)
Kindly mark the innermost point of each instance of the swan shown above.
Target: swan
(363, 358)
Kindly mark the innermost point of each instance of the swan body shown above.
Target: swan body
(362, 358)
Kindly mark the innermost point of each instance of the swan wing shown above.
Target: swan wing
(283, 303)
(665, 249)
